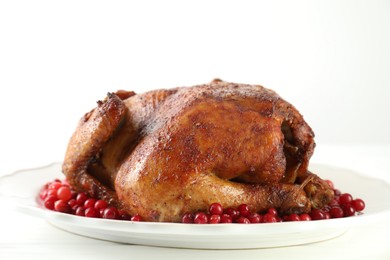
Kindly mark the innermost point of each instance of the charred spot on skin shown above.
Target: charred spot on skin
(286, 130)
(99, 103)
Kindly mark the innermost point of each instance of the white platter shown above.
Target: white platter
(21, 189)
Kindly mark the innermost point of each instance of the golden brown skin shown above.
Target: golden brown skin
(167, 152)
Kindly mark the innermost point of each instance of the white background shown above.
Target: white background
(331, 59)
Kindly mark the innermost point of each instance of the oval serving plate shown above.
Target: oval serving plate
(21, 189)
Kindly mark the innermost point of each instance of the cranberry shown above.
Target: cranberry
(80, 211)
(255, 218)
(272, 211)
(136, 218)
(89, 203)
(358, 205)
(216, 209)
(244, 210)
(55, 185)
(345, 198)
(51, 193)
(234, 214)
(49, 202)
(226, 218)
(348, 210)
(110, 213)
(304, 217)
(101, 204)
(72, 203)
(336, 212)
(62, 206)
(64, 193)
(215, 219)
(43, 193)
(336, 192)
(317, 214)
(201, 218)
(330, 183)
(334, 203)
(81, 198)
(74, 194)
(187, 218)
(243, 220)
(293, 217)
(269, 218)
(91, 212)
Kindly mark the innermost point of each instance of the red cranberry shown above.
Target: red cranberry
(293, 217)
(336, 192)
(110, 213)
(91, 212)
(358, 205)
(336, 212)
(317, 214)
(72, 203)
(89, 203)
(345, 198)
(74, 194)
(330, 183)
(243, 220)
(43, 194)
(215, 219)
(269, 218)
(55, 185)
(234, 214)
(80, 211)
(304, 217)
(64, 193)
(51, 193)
(81, 198)
(255, 218)
(348, 210)
(226, 218)
(272, 211)
(187, 218)
(137, 218)
(244, 210)
(216, 209)
(101, 204)
(62, 206)
(201, 218)
(334, 203)
(49, 202)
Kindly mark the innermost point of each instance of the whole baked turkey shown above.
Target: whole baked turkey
(167, 152)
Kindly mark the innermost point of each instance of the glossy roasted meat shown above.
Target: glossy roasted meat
(166, 152)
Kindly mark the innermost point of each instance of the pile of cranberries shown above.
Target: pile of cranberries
(59, 196)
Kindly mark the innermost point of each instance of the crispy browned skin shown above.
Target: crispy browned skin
(166, 152)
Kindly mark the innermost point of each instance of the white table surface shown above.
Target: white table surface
(26, 237)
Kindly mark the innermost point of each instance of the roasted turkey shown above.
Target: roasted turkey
(166, 152)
